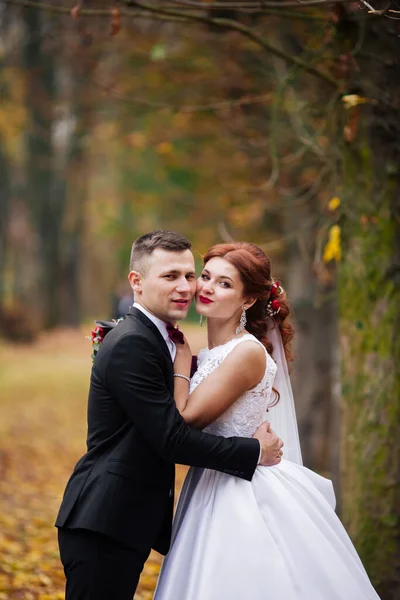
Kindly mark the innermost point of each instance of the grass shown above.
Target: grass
(43, 394)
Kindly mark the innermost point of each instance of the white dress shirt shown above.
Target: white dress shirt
(162, 328)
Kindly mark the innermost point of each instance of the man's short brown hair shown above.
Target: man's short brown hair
(143, 247)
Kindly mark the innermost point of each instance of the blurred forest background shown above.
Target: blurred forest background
(265, 121)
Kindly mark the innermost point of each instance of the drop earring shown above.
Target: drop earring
(201, 321)
(242, 322)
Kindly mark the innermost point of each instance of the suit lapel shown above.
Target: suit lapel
(134, 312)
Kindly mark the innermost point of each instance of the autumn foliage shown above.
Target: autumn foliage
(43, 390)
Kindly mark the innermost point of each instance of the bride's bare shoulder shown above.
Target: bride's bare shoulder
(248, 355)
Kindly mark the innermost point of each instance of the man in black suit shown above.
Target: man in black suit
(119, 500)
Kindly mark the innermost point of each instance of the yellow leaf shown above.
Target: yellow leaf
(44, 579)
(136, 139)
(333, 203)
(332, 250)
(352, 100)
(164, 148)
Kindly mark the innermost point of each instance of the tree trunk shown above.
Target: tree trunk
(311, 290)
(41, 197)
(369, 283)
(5, 193)
(313, 371)
(77, 192)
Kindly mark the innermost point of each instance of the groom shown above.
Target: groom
(119, 500)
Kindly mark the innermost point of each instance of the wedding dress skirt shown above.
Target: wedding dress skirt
(274, 538)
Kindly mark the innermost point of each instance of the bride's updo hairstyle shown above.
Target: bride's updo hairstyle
(255, 272)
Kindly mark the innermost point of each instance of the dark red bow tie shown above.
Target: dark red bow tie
(175, 334)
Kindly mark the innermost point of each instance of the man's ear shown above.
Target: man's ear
(135, 281)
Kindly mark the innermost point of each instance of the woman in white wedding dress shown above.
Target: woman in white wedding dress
(276, 537)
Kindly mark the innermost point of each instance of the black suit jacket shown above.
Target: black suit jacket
(124, 485)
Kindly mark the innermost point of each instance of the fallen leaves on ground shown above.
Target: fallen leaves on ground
(43, 393)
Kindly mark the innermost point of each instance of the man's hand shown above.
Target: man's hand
(271, 445)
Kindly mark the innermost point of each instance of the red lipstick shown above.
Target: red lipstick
(205, 300)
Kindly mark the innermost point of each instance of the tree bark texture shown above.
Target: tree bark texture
(369, 285)
(46, 205)
(5, 197)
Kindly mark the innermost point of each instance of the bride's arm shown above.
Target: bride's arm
(182, 364)
(241, 370)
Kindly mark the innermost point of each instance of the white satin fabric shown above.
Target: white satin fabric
(274, 538)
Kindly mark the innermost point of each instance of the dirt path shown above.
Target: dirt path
(43, 393)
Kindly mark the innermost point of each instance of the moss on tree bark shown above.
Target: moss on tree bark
(370, 338)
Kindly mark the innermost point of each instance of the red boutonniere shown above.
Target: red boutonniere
(97, 336)
(99, 333)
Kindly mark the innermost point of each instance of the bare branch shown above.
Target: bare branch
(247, 6)
(89, 12)
(371, 8)
(107, 12)
(224, 233)
(162, 14)
(382, 11)
(185, 108)
(232, 25)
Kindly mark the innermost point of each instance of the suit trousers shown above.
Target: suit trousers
(97, 567)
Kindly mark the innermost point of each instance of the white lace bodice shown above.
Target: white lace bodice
(249, 411)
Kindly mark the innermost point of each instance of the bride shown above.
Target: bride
(276, 537)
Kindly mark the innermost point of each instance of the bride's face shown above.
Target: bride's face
(220, 290)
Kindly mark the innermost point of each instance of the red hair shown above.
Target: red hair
(254, 268)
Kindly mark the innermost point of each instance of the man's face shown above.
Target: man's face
(168, 286)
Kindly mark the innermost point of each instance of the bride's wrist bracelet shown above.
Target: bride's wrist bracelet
(183, 377)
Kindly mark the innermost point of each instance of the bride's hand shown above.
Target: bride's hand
(183, 359)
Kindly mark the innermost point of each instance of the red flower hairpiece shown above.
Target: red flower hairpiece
(273, 304)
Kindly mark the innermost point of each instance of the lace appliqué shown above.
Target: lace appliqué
(249, 411)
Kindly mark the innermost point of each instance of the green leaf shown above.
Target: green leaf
(158, 52)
